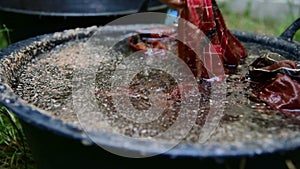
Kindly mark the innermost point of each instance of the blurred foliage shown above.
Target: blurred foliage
(4, 37)
(266, 26)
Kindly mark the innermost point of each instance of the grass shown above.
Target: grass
(4, 36)
(14, 153)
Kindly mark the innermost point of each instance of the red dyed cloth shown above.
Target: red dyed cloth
(152, 38)
(278, 86)
(283, 95)
(224, 47)
(206, 60)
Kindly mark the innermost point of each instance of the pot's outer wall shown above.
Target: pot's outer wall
(24, 26)
(55, 152)
(29, 18)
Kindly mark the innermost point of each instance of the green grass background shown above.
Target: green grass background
(14, 153)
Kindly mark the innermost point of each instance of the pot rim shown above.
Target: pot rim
(77, 14)
(35, 117)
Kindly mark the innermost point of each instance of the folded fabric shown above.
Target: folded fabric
(277, 82)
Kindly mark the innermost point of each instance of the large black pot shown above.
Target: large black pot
(29, 18)
(58, 145)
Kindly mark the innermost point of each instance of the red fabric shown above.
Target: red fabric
(283, 95)
(206, 61)
(263, 70)
(277, 89)
(282, 64)
(206, 16)
(152, 37)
